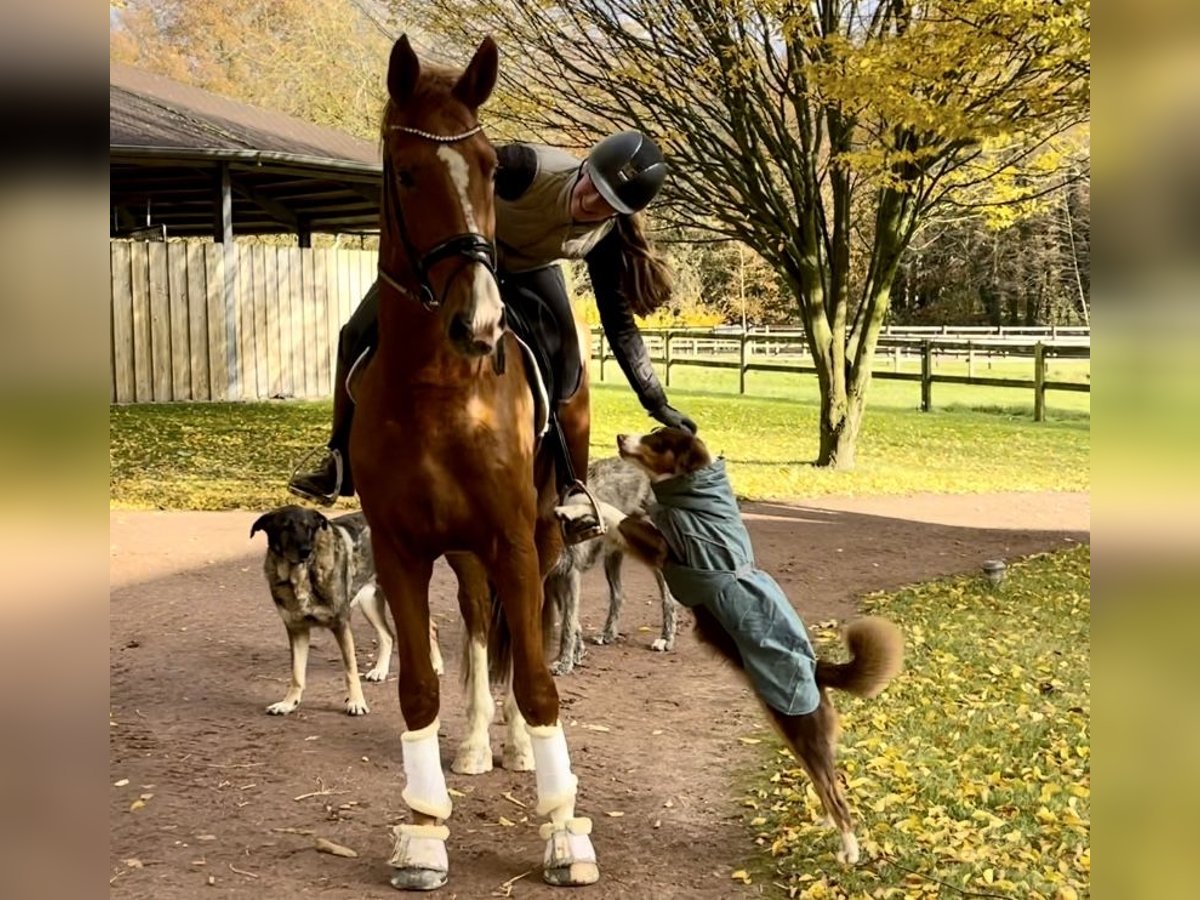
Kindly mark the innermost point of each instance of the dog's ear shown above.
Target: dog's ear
(261, 523)
(694, 456)
(324, 521)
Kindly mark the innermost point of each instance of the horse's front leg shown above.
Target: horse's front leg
(419, 856)
(570, 858)
(474, 755)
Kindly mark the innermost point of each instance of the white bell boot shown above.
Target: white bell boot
(570, 858)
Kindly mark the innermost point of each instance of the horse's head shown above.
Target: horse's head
(439, 222)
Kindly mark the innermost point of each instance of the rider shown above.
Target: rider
(549, 207)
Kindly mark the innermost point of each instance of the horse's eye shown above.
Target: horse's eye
(404, 178)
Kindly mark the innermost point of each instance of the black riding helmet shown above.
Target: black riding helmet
(628, 169)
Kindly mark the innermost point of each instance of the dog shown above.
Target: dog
(318, 570)
(695, 534)
(626, 487)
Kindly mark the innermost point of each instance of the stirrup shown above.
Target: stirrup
(313, 496)
(581, 530)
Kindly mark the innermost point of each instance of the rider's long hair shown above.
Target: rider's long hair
(645, 278)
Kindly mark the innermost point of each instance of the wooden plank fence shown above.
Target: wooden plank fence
(190, 321)
(785, 353)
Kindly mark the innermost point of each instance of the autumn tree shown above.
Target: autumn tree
(320, 60)
(972, 270)
(820, 134)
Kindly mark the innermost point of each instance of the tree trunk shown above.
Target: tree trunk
(839, 440)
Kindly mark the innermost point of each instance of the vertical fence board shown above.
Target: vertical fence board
(160, 322)
(197, 307)
(177, 303)
(259, 291)
(122, 324)
(218, 341)
(326, 280)
(313, 321)
(247, 342)
(295, 294)
(139, 269)
(265, 286)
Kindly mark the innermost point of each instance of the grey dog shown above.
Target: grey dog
(318, 570)
(625, 486)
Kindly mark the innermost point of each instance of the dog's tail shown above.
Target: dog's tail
(876, 657)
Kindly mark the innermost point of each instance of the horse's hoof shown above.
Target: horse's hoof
(472, 761)
(419, 858)
(419, 879)
(574, 875)
(518, 759)
(570, 859)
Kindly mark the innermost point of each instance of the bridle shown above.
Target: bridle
(470, 246)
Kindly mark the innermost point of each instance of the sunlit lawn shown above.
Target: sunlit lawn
(239, 455)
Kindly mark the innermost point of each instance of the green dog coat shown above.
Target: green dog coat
(700, 520)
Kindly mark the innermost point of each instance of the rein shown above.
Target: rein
(469, 247)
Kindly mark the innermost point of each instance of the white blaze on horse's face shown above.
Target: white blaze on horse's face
(487, 312)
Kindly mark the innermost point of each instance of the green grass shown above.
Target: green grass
(973, 768)
(239, 455)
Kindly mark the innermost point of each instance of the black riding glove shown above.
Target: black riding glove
(673, 418)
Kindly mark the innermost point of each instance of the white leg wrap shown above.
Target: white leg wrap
(556, 784)
(425, 790)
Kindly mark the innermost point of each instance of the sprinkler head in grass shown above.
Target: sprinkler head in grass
(995, 570)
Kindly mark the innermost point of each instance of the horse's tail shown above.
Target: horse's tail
(500, 651)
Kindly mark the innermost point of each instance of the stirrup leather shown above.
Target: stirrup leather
(577, 533)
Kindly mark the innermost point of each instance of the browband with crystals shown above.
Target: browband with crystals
(437, 138)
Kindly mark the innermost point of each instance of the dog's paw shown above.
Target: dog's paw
(607, 637)
(662, 645)
(356, 706)
(282, 708)
(562, 666)
(376, 674)
(848, 855)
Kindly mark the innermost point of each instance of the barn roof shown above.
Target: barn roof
(170, 141)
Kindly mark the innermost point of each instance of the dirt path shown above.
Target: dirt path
(197, 652)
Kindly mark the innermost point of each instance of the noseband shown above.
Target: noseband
(470, 246)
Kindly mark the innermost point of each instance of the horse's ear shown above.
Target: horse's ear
(476, 83)
(261, 523)
(403, 70)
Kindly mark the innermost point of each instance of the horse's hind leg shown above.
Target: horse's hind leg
(419, 856)
(570, 858)
(474, 755)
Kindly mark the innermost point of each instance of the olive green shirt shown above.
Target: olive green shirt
(535, 229)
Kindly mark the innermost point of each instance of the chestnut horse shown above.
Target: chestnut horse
(447, 462)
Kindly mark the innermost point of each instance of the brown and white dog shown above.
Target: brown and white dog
(876, 646)
(318, 570)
